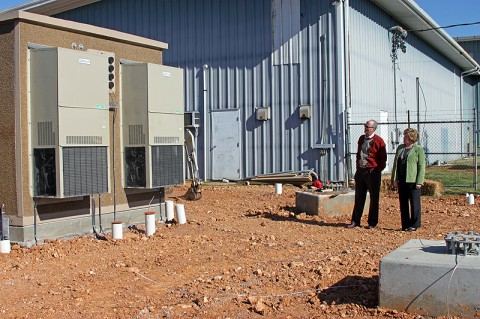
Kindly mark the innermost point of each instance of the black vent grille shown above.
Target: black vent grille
(85, 170)
(167, 165)
(135, 173)
(44, 181)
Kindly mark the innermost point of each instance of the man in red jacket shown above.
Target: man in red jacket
(371, 160)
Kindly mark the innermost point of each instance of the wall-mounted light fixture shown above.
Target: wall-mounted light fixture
(305, 111)
(263, 113)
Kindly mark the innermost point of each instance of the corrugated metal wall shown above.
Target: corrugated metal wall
(234, 39)
(472, 46)
(228, 50)
(372, 80)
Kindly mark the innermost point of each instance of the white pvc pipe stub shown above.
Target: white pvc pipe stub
(181, 218)
(117, 230)
(471, 199)
(5, 246)
(170, 210)
(278, 188)
(149, 223)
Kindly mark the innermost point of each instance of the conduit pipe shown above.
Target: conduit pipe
(113, 168)
(4, 239)
(205, 92)
(169, 210)
(35, 213)
(181, 218)
(341, 29)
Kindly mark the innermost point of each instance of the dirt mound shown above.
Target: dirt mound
(244, 253)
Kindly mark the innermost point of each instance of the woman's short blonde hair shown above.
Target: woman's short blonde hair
(412, 134)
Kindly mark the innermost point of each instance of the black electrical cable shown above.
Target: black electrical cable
(446, 27)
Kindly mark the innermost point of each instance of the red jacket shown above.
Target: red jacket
(377, 155)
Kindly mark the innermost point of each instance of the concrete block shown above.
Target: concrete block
(328, 204)
(66, 228)
(421, 278)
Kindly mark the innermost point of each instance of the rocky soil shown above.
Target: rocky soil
(244, 253)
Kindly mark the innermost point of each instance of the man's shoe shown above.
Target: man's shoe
(412, 229)
(371, 227)
(352, 225)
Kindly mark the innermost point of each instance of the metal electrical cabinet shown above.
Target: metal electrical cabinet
(69, 120)
(152, 125)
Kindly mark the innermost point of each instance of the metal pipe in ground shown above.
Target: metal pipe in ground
(4, 238)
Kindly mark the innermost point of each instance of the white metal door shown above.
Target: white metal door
(226, 144)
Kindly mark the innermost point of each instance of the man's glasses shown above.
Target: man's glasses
(366, 126)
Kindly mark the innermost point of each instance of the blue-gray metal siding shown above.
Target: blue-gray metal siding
(234, 39)
(372, 79)
(473, 91)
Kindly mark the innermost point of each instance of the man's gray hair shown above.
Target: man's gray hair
(375, 124)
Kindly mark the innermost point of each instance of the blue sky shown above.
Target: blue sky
(445, 12)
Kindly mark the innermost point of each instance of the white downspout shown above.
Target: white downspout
(205, 70)
(462, 75)
(341, 7)
(346, 52)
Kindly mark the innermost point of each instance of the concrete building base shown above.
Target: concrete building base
(421, 278)
(27, 236)
(328, 204)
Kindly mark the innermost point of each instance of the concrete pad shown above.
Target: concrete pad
(421, 278)
(328, 204)
(66, 228)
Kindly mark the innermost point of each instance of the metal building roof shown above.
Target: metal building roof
(84, 28)
(50, 7)
(407, 12)
(416, 19)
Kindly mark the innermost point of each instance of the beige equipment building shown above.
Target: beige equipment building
(92, 127)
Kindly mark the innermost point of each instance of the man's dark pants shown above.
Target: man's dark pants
(367, 180)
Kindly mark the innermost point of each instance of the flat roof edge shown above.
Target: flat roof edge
(83, 28)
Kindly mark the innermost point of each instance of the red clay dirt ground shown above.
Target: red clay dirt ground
(244, 253)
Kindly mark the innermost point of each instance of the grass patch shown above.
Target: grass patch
(456, 179)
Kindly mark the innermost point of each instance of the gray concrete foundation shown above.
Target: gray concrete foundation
(421, 278)
(80, 226)
(328, 204)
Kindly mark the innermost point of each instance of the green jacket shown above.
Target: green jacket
(415, 164)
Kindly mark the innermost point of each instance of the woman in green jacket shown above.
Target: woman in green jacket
(408, 175)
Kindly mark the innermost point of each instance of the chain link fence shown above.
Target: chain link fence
(450, 147)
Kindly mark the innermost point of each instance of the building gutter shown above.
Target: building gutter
(414, 19)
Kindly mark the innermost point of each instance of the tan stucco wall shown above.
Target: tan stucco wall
(7, 117)
(47, 36)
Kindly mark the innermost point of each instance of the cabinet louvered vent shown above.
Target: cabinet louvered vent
(85, 170)
(84, 140)
(166, 139)
(136, 136)
(46, 136)
(167, 165)
(135, 171)
(44, 172)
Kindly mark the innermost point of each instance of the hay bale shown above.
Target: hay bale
(432, 188)
(429, 188)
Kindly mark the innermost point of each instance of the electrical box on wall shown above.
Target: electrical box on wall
(69, 122)
(192, 119)
(263, 113)
(305, 111)
(152, 125)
